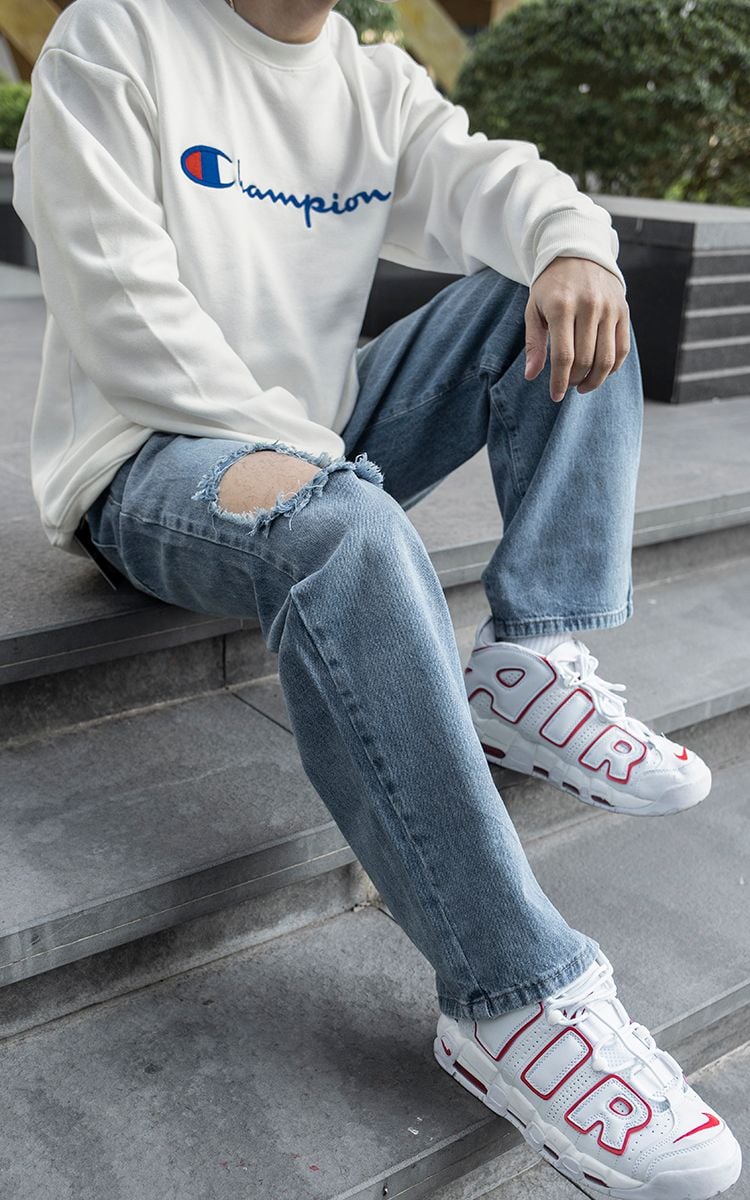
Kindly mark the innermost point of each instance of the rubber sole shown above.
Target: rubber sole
(506, 747)
(551, 1144)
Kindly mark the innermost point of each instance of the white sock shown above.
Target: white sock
(541, 643)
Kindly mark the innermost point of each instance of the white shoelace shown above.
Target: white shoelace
(594, 997)
(580, 670)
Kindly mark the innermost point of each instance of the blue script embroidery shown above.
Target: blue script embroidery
(201, 164)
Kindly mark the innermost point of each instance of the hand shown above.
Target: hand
(583, 307)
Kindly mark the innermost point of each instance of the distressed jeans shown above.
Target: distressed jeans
(347, 597)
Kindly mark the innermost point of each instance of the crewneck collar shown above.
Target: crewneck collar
(270, 50)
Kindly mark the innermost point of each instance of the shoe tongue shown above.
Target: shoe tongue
(568, 651)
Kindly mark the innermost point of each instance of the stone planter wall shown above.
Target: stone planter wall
(15, 244)
(687, 267)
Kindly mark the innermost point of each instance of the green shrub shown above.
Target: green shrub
(630, 97)
(370, 19)
(13, 100)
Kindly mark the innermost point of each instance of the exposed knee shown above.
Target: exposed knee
(258, 480)
(252, 486)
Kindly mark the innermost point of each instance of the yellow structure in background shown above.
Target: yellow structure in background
(432, 31)
(433, 37)
(25, 25)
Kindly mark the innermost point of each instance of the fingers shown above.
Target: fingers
(562, 348)
(603, 360)
(536, 341)
(586, 347)
(622, 341)
(582, 308)
(612, 348)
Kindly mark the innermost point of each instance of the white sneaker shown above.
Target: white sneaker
(590, 1091)
(551, 715)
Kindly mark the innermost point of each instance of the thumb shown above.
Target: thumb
(536, 342)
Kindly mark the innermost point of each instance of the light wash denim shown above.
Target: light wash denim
(346, 595)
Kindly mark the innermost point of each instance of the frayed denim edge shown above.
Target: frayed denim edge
(260, 520)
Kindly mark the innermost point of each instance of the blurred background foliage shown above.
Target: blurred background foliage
(630, 97)
(13, 100)
(373, 22)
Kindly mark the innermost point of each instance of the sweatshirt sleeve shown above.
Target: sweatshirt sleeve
(87, 187)
(462, 202)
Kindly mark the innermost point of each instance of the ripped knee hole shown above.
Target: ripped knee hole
(258, 480)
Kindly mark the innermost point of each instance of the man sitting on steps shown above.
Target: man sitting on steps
(209, 185)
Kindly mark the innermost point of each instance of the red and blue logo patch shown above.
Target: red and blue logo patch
(201, 164)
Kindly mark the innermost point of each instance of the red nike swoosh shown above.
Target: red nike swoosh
(684, 754)
(711, 1123)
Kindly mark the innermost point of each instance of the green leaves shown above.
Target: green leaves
(636, 97)
(370, 19)
(13, 100)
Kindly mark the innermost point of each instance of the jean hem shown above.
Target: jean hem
(573, 624)
(500, 1003)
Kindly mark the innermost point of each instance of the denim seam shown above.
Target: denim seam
(509, 433)
(279, 566)
(532, 992)
(417, 851)
(405, 412)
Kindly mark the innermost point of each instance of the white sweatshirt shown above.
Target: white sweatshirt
(208, 206)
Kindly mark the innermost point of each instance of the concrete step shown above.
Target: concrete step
(136, 824)
(19, 283)
(303, 1066)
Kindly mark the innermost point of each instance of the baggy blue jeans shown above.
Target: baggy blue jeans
(346, 595)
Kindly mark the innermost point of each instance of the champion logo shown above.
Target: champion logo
(210, 167)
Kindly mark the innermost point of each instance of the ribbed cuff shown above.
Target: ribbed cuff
(572, 234)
